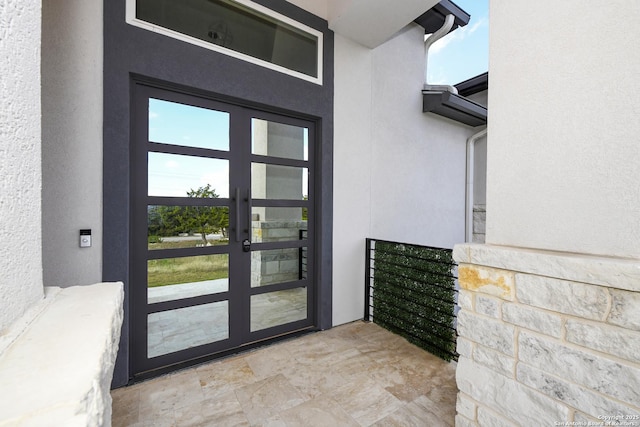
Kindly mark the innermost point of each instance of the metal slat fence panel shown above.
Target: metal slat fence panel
(411, 291)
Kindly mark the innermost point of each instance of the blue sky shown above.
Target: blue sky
(173, 175)
(463, 53)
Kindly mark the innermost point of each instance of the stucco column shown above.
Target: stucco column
(20, 148)
(549, 305)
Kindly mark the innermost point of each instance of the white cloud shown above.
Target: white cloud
(172, 164)
(482, 22)
(219, 180)
(153, 115)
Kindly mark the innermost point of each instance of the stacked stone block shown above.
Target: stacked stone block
(279, 265)
(547, 339)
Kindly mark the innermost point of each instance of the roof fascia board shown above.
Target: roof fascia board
(434, 18)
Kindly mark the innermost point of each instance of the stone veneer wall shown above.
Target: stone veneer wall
(546, 337)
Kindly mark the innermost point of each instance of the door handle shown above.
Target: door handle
(246, 245)
(248, 200)
(237, 227)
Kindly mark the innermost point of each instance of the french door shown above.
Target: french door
(222, 241)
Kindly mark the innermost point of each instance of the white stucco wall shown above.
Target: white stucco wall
(71, 140)
(563, 159)
(351, 176)
(418, 174)
(20, 186)
(399, 174)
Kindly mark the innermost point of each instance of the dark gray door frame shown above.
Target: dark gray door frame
(132, 54)
(239, 292)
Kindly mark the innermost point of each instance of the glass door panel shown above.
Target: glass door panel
(270, 267)
(279, 140)
(184, 328)
(171, 279)
(270, 224)
(278, 308)
(280, 200)
(187, 211)
(279, 182)
(172, 175)
(179, 227)
(189, 126)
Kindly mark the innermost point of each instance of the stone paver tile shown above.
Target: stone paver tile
(222, 410)
(313, 381)
(125, 406)
(270, 361)
(267, 398)
(407, 416)
(365, 400)
(160, 397)
(224, 376)
(443, 411)
(441, 401)
(314, 351)
(319, 412)
(404, 383)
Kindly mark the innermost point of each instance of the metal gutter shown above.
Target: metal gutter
(454, 106)
(473, 85)
(444, 100)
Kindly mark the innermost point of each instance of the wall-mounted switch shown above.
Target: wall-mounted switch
(85, 238)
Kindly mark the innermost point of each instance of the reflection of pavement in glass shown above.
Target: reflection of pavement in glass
(187, 327)
(277, 308)
(183, 328)
(186, 290)
(189, 238)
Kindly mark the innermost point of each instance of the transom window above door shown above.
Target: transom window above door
(238, 28)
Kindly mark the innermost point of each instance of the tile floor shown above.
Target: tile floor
(353, 375)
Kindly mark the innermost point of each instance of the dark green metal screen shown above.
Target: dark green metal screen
(411, 291)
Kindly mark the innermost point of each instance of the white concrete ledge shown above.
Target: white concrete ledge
(617, 273)
(58, 371)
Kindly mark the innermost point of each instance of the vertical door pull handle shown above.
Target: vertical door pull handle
(237, 225)
(248, 200)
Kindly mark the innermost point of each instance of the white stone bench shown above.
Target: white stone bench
(56, 370)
